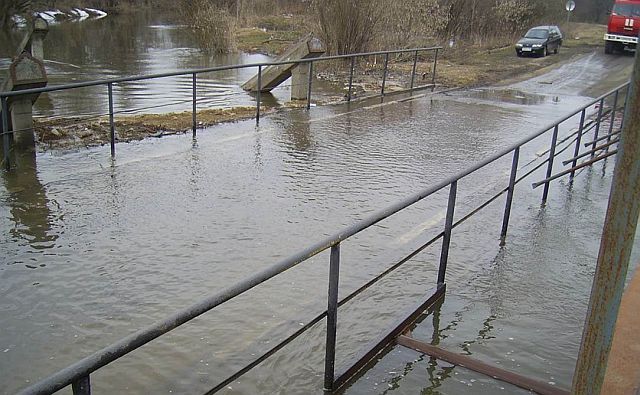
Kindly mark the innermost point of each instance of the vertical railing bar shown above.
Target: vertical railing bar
(353, 65)
(332, 318)
(194, 109)
(258, 96)
(413, 70)
(576, 151)
(446, 240)
(384, 73)
(433, 77)
(82, 386)
(510, 191)
(112, 126)
(552, 155)
(6, 141)
(597, 132)
(613, 118)
(309, 85)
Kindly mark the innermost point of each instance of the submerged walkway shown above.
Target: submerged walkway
(520, 308)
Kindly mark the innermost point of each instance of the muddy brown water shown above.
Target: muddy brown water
(95, 248)
(140, 43)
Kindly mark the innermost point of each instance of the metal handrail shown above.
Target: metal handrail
(6, 96)
(207, 70)
(78, 373)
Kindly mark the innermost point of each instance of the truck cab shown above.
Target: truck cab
(624, 23)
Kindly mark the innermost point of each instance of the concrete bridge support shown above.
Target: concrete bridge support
(300, 82)
(26, 71)
(272, 76)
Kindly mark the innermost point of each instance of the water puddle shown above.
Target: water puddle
(513, 96)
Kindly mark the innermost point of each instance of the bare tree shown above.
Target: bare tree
(11, 8)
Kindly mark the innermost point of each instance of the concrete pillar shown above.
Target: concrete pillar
(22, 124)
(25, 72)
(40, 30)
(300, 82)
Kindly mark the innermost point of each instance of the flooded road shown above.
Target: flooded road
(96, 249)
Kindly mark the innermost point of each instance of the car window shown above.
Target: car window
(537, 33)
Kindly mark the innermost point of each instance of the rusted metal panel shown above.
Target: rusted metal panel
(518, 380)
(615, 250)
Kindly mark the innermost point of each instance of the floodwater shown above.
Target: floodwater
(142, 43)
(95, 249)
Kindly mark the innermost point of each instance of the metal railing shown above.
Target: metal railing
(78, 374)
(5, 97)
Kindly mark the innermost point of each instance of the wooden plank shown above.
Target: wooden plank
(518, 380)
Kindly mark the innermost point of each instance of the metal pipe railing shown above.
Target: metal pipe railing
(78, 374)
(205, 70)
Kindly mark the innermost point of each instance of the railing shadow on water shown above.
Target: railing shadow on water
(78, 374)
(7, 97)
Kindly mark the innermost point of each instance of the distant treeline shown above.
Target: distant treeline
(356, 25)
(350, 25)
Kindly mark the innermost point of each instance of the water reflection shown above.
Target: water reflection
(296, 133)
(28, 202)
(139, 43)
(513, 96)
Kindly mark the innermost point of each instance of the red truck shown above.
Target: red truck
(624, 23)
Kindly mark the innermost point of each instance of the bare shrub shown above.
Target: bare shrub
(349, 26)
(211, 23)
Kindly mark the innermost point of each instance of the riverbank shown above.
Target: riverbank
(458, 66)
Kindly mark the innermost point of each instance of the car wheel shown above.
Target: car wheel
(519, 54)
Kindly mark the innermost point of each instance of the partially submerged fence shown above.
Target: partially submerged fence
(78, 374)
(7, 98)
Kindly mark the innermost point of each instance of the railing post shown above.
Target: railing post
(576, 151)
(413, 70)
(353, 65)
(613, 117)
(595, 135)
(616, 245)
(552, 154)
(446, 240)
(309, 85)
(194, 105)
(332, 318)
(82, 386)
(384, 73)
(433, 77)
(5, 133)
(112, 126)
(510, 190)
(258, 95)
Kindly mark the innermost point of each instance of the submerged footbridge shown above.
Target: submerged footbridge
(392, 203)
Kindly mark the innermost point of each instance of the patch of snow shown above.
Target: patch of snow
(50, 16)
(99, 13)
(46, 16)
(82, 14)
(19, 20)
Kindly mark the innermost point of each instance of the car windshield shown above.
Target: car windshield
(626, 10)
(537, 33)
